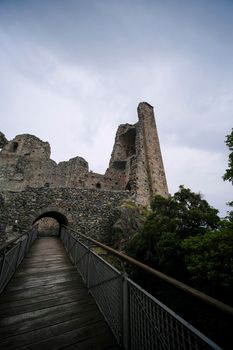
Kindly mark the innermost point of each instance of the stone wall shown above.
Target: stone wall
(91, 212)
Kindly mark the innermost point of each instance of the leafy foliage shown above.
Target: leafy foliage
(184, 237)
(228, 176)
(209, 259)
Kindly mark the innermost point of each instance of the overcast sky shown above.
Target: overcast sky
(71, 71)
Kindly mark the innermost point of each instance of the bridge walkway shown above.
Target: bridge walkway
(47, 306)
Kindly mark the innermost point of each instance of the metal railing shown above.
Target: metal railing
(137, 319)
(11, 255)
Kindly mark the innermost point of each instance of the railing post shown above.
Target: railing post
(2, 261)
(17, 259)
(125, 321)
(88, 268)
(28, 243)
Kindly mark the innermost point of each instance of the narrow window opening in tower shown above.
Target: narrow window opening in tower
(98, 185)
(119, 164)
(128, 187)
(128, 142)
(14, 146)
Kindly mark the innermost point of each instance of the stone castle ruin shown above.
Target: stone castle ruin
(33, 186)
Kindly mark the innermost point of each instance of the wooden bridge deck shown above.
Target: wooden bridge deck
(46, 306)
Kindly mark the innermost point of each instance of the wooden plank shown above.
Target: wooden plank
(93, 333)
(11, 309)
(40, 265)
(52, 331)
(38, 291)
(44, 270)
(46, 305)
(30, 281)
(46, 260)
(43, 318)
(40, 283)
(11, 303)
(56, 274)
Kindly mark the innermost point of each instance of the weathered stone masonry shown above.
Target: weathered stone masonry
(31, 184)
(89, 211)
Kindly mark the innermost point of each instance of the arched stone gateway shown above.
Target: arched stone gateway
(49, 223)
(61, 218)
(32, 184)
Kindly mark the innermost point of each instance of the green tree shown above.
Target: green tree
(227, 222)
(209, 259)
(228, 176)
(172, 220)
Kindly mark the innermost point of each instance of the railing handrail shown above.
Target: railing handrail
(5, 245)
(155, 273)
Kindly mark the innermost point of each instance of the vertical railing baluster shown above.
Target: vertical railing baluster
(88, 268)
(1, 270)
(125, 312)
(17, 259)
(28, 244)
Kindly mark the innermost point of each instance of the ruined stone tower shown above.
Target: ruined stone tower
(136, 159)
(153, 174)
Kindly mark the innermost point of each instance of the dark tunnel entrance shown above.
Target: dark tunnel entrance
(50, 223)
